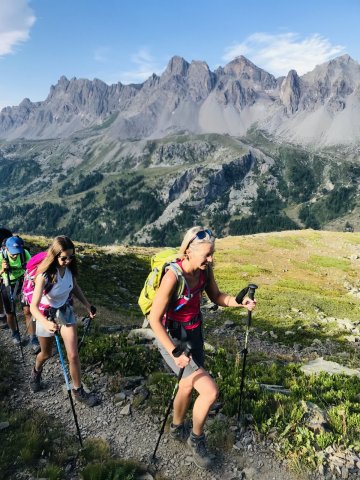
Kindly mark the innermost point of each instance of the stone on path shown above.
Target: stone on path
(126, 410)
(145, 333)
(320, 365)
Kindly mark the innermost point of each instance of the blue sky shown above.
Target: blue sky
(119, 40)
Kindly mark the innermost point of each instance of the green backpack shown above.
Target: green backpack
(160, 263)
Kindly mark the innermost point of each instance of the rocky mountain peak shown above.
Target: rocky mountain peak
(340, 68)
(244, 70)
(63, 82)
(201, 79)
(26, 103)
(342, 59)
(176, 66)
(290, 92)
(189, 96)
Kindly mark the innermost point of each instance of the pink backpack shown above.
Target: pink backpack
(29, 279)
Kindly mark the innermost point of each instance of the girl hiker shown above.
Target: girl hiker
(54, 283)
(13, 258)
(172, 323)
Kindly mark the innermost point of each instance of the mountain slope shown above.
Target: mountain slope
(149, 192)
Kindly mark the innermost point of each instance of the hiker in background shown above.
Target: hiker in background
(173, 323)
(4, 234)
(59, 269)
(13, 259)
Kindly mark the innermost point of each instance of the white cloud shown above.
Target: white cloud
(16, 20)
(145, 65)
(278, 54)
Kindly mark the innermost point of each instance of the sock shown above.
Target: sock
(195, 437)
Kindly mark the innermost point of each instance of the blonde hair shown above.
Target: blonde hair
(49, 264)
(190, 240)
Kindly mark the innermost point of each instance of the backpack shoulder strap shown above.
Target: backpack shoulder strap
(48, 284)
(182, 285)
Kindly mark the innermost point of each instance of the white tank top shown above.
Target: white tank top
(60, 291)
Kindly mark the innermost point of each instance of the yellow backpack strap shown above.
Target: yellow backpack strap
(182, 284)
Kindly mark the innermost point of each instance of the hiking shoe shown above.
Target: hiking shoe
(82, 396)
(15, 337)
(180, 432)
(35, 380)
(199, 450)
(35, 345)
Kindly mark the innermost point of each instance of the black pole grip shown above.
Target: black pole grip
(241, 295)
(252, 287)
(249, 290)
(182, 349)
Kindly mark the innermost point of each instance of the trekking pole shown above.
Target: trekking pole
(87, 326)
(251, 292)
(68, 387)
(13, 308)
(187, 352)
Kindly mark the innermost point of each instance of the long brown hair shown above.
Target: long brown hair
(49, 264)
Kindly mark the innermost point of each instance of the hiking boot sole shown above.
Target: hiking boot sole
(35, 388)
(203, 467)
(197, 459)
(90, 400)
(179, 439)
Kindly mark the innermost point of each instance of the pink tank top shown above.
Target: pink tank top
(191, 308)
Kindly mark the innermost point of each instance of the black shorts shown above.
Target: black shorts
(5, 294)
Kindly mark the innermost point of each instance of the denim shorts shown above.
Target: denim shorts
(64, 316)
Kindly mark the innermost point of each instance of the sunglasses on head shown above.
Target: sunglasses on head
(202, 234)
(66, 257)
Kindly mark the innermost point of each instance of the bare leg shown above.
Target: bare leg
(208, 393)
(2, 310)
(46, 344)
(11, 321)
(69, 335)
(29, 324)
(181, 402)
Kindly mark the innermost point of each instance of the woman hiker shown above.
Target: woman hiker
(171, 323)
(56, 275)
